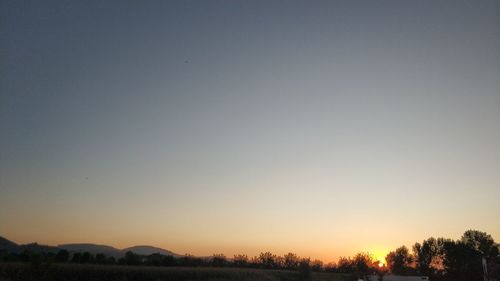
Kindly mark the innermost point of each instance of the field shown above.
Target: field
(72, 272)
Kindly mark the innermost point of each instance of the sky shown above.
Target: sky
(323, 128)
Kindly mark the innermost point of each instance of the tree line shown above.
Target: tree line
(438, 258)
(266, 260)
(447, 259)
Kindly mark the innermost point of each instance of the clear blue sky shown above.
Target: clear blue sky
(319, 127)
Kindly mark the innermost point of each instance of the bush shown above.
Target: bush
(305, 268)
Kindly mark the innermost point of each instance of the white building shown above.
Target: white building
(396, 278)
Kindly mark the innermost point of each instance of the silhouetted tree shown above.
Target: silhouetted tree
(100, 259)
(305, 268)
(110, 260)
(87, 258)
(398, 261)
(255, 262)
(458, 260)
(279, 262)
(240, 260)
(132, 259)
(361, 263)
(218, 260)
(316, 265)
(190, 260)
(169, 261)
(481, 242)
(344, 265)
(76, 257)
(462, 262)
(429, 256)
(267, 260)
(291, 261)
(330, 267)
(155, 259)
(62, 256)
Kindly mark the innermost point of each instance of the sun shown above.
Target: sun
(379, 256)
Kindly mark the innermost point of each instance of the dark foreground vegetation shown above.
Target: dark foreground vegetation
(438, 258)
(447, 259)
(85, 272)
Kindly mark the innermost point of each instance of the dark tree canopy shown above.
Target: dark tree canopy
(481, 242)
(399, 260)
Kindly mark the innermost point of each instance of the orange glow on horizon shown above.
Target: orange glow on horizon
(379, 256)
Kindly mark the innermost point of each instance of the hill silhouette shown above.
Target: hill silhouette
(148, 250)
(6, 244)
(9, 246)
(13, 247)
(93, 249)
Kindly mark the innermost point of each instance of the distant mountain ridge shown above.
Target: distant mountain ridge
(148, 250)
(9, 246)
(13, 247)
(93, 249)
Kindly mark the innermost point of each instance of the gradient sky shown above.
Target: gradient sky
(318, 127)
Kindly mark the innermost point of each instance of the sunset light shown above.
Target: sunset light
(379, 255)
(309, 138)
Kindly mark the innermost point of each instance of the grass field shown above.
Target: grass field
(72, 272)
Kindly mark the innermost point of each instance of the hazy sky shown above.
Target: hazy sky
(318, 127)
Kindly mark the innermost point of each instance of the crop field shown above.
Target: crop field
(72, 272)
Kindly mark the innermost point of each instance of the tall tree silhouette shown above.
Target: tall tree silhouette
(291, 261)
(428, 256)
(481, 242)
(398, 261)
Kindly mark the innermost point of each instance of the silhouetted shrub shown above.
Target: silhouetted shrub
(218, 260)
(240, 260)
(305, 268)
(62, 256)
